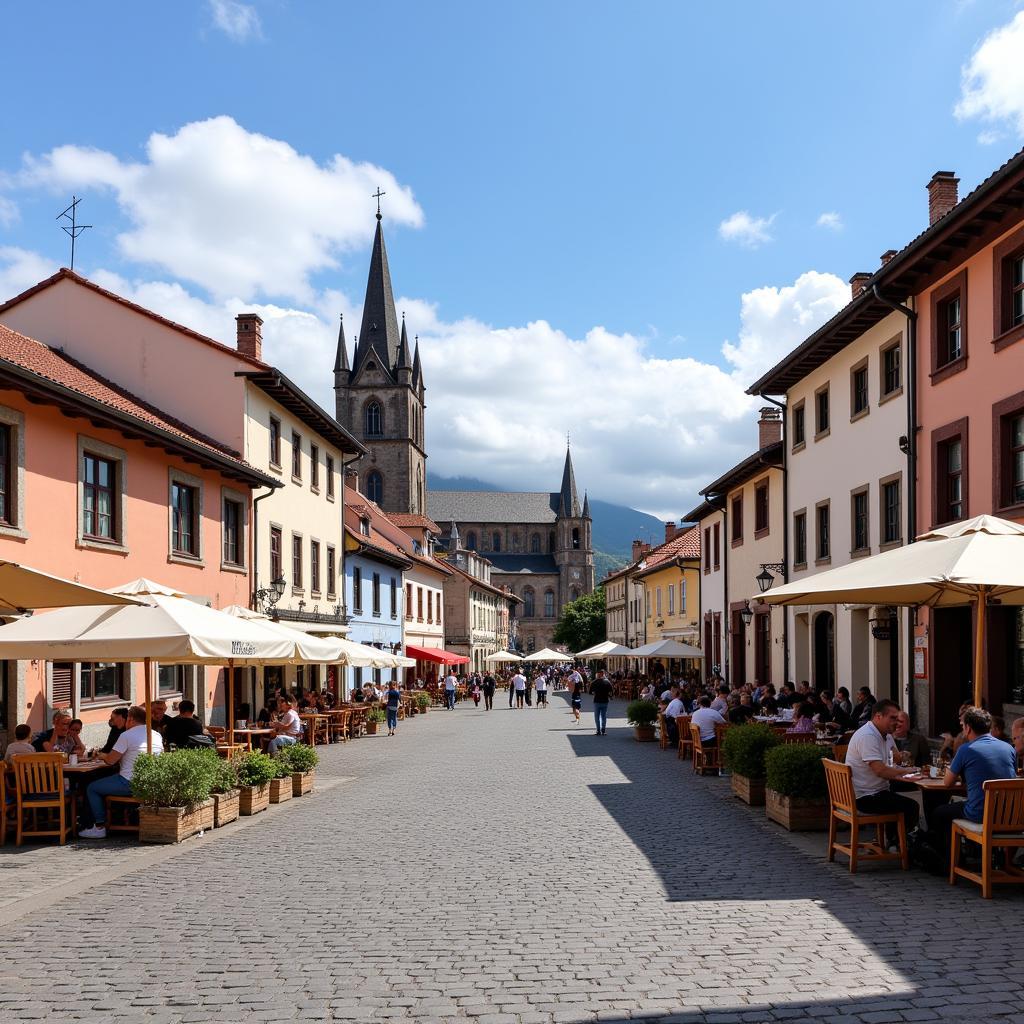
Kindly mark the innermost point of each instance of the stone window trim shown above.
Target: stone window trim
(120, 457)
(801, 407)
(884, 545)
(323, 559)
(314, 467)
(15, 419)
(939, 437)
(332, 583)
(883, 395)
(119, 700)
(859, 414)
(863, 552)
(796, 515)
(1011, 246)
(820, 433)
(230, 494)
(1002, 412)
(300, 590)
(819, 559)
(274, 457)
(179, 476)
(956, 284)
(296, 457)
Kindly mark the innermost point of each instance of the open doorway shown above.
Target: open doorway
(825, 651)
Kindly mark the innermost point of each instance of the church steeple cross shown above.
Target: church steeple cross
(376, 195)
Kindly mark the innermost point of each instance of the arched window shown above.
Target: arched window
(528, 604)
(471, 540)
(549, 602)
(535, 544)
(496, 542)
(374, 426)
(575, 538)
(375, 486)
(551, 542)
(574, 593)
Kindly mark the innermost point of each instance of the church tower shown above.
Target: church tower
(379, 397)
(574, 552)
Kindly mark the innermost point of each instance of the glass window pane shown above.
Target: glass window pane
(953, 457)
(104, 679)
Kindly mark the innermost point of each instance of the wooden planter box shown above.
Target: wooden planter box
(371, 728)
(797, 813)
(173, 824)
(302, 783)
(644, 733)
(253, 799)
(280, 790)
(750, 791)
(225, 808)
(423, 710)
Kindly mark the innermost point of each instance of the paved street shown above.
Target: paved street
(499, 869)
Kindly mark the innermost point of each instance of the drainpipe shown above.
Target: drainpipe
(911, 453)
(726, 613)
(785, 528)
(254, 541)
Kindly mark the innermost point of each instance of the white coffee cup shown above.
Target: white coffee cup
(73, 760)
(933, 772)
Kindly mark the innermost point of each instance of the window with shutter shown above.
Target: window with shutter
(61, 676)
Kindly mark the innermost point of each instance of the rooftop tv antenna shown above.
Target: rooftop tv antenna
(75, 229)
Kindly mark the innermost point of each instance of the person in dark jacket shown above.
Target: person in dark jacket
(183, 725)
(601, 691)
(118, 722)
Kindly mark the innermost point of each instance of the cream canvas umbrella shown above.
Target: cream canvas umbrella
(967, 563)
(605, 649)
(548, 655)
(501, 656)
(23, 589)
(665, 649)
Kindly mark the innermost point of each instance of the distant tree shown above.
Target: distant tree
(582, 622)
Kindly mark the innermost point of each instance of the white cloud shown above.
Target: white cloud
(238, 21)
(775, 320)
(20, 269)
(750, 232)
(9, 212)
(831, 220)
(992, 81)
(232, 211)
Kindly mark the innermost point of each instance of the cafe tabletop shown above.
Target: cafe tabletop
(252, 731)
(930, 785)
(84, 766)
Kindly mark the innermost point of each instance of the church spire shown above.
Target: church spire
(341, 358)
(378, 332)
(403, 362)
(586, 505)
(569, 498)
(417, 368)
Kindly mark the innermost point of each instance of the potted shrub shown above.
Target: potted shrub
(224, 791)
(642, 714)
(374, 717)
(173, 791)
(301, 761)
(422, 702)
(281, 783)
(744, 748)
(796, 794)
(255, 770)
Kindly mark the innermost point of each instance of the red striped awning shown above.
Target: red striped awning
(442, 657)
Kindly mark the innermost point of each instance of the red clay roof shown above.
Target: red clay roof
(56, 367)
(385, 533)
(404, 519)
(683, 545)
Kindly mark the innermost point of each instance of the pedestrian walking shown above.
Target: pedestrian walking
(577, 697)
(449, 691)
(601, 691)
(511, 691)
(542, 691)
(488, 689)
(519, 688)
(476, 694)
(394, 701)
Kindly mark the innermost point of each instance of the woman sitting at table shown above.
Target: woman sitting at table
(63, 739)
(768, 705)
(803, 718)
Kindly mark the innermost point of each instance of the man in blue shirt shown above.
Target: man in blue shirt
(981, 758)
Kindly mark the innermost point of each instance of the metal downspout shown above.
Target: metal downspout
(785, 530)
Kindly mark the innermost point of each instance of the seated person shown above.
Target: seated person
(863, 710)
(179, 729)
(742, 712)
(803, 718)
(950, 743)
(60, 739)
(980, 758)
(706, 718)
(118, 722)
(129, 745)
(287, 728)
(672, 712)
(842, 708)
(20, 744)
(912, 745)
(158, 715)
(264, 717)
(787, 696)
(768, 703)
(721, 701)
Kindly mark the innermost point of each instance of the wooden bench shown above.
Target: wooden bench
(122, 814)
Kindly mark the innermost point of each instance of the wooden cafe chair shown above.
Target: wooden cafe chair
(41, 804)
(685, 751)
(1001, 828)
(705, 759)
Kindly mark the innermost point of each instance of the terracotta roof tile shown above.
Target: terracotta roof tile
(683, 545)
(404, 519)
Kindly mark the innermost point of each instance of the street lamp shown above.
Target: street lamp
(269, 596)
(765, 578)
(747, 615)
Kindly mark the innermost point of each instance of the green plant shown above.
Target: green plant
(642, 712)
(225, 773)
(255, 768)
(299, 757)
(375, 715)
(744, 748)
(181, 778)
(795, 769)
(422, 700)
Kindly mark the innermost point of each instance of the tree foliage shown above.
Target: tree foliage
(582, 622)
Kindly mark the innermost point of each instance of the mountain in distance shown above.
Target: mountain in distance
(615, 526)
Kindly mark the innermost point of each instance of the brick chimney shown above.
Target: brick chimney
(670, 531)
(888, 255)
(249, 328)
(858, 281)
(640, 548)
(942, 194)
(352, 479)
(769, 426)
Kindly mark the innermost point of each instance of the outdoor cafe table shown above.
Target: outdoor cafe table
(314, 722)
(84, 766)
(252, 733)
(930, 785)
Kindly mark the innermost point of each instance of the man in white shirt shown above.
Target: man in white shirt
(450, 683)
(125, 753)
(706, 718)
(288, 726)
(519, 686)
(542, 690)
(574, 678)
(870, 757)
(672, 712)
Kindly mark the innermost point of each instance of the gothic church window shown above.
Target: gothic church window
(375, 487)
(576, 538)
(551, 542)
(471, 540)
(374, 420)
(535, 544)
(496, 542)
(549, 604)
(528, 603)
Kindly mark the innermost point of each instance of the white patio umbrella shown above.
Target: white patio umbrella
(163, 627)
(499, 656)
(23, 589)
(967, 563)
(546, 654)
(665, 649)
(605, 649)
(308, 648)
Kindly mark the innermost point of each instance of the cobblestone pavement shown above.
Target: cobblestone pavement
(507, 868)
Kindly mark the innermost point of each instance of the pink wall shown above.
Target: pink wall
(50, 503)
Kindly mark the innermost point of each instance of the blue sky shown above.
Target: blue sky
(561, 179)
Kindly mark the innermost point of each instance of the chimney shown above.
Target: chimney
(769, 426)
(250, 335)
(670, 531)
(888, 255)
(942, 195)
(858, 281)
(352, 479)
(640, 548)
